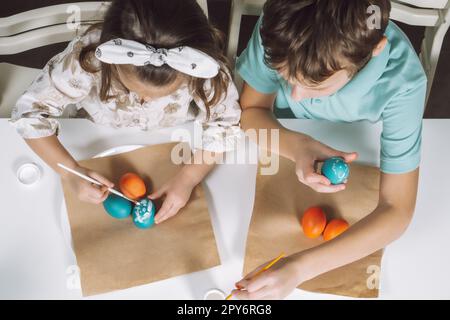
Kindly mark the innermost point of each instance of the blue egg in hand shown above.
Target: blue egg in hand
(117, 207)
(144, 214)
(336, 170)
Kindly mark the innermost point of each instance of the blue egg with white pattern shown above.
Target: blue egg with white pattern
(144, 214)
(117, 207)
(336, 170)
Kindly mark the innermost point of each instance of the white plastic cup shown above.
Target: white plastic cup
(28, 173)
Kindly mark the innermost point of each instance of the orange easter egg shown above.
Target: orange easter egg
(334, 228)
(313, 222)
(132, 186)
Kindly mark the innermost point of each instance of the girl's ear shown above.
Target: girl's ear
(380, 46)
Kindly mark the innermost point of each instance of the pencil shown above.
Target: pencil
(269, 265)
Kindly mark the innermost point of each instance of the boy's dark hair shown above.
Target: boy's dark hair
(162, 24)
(316, 38)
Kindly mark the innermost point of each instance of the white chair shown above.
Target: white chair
(434, 15)
(37, 28)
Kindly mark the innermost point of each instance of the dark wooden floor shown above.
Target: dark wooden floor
(438, 105)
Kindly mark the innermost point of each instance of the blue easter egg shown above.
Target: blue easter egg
(144, 214)
(117, 207)
(336, 170)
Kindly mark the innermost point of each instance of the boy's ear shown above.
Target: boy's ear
(380, 46)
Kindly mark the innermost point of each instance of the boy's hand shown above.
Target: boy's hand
(87, 191)
(177, 192)
(308, 155)
(273, 284)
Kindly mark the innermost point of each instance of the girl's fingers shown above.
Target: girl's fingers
(105, 194)
(101, 179)
(157, 194)
(95, 192)
(94, 199)
(95, 195)
(172, 211)
(166, 206)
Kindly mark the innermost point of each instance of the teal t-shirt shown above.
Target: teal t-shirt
(391, 88)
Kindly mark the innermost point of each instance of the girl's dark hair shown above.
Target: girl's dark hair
(316, 38)
(162, 24)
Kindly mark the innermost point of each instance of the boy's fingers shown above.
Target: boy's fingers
(313, 177)
(258, 282)
(101, 179)
(350, 157)
(246, 295)
(242, 284)
(327, 188)
(240, 294)
(347, 156)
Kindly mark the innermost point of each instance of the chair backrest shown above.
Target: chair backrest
(418, 12)
(52, 24)
(434, 4)
(432, 14)
(37, 28)
(413, 12)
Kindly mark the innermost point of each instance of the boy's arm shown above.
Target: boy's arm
(257, 114)
(385, 224)
(398, 193)
(298, 147)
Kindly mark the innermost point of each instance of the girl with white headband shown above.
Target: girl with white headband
(149, 64)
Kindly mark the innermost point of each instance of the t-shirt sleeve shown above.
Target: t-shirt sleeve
(252, 68)
(401, 138)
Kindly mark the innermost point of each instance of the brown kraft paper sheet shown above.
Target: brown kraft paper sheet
(280, 201)
(114, 254)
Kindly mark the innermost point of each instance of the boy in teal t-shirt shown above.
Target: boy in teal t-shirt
(341, 61)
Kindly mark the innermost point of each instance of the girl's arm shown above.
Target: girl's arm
(177, 191)
(220, 133)
(61, 82)
(385, 224)
(52, 152)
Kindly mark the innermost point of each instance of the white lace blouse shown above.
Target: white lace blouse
(63, 83)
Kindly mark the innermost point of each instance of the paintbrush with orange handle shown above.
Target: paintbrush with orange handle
(281, 256)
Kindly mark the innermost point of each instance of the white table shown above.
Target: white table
(35, 261)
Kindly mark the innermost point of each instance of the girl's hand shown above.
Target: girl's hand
(177, 192)
(307, 156)
(273, 284)
(87, 191)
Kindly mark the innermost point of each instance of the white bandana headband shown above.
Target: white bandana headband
(184, 59)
